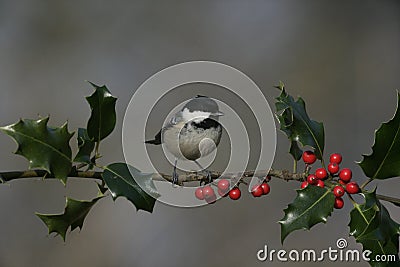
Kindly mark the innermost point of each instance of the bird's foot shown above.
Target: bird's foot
(207, 173)
(175, 178)
(208, 176)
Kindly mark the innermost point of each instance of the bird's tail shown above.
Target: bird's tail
(156, 140)
(153, 142)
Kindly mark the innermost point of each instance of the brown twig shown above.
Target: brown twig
(12, 175)
(192, 177)
(183, 178)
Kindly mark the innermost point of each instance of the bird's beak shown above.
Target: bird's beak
(218, 114)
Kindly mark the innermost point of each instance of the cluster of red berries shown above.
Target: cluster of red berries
(261, 189)
(345, 175)
(207, 192)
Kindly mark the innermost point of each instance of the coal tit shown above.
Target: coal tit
(191, 133)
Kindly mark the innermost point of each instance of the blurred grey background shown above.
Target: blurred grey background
(342, 57)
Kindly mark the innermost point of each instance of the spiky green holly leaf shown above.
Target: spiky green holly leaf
(388, 251)
(73, 216)
(85, 145)
(103, 117)
(295, 150)
(102, 188)
(297, 125)
(311, 206)
(46, 148)
(372, 226)
(126, 181)
(384, 161)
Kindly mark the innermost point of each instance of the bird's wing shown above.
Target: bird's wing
(177, 118)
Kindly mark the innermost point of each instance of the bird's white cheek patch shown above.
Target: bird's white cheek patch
(195, 116)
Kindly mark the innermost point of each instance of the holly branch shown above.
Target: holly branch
(183, 178)
(321, 192)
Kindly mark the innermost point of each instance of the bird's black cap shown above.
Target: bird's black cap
(202, 103)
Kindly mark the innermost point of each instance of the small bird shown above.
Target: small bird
(192, 133)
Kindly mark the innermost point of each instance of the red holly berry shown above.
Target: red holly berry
(309, 157)
(333, 167)
(223, 184)
(208, 192)
(352, 188)
(345, 175)
(342, 182)
(199, 193)
(338, 191)
(312, 179)
(266, 188)
(335, 158)
(304, 184)
(257, 191)
(212, 199)
(339, 203)
(321, 183)
(222, 193)
(235, 193)
(321, 173)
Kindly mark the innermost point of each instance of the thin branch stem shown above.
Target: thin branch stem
(96, 150)
(12, 175)
(323, 163)
(192, 176)
(352, 200)
(366, 183)
(183, 178)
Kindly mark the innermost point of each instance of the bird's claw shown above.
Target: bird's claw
(175, 177)
(208, 176)
(207, 173)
